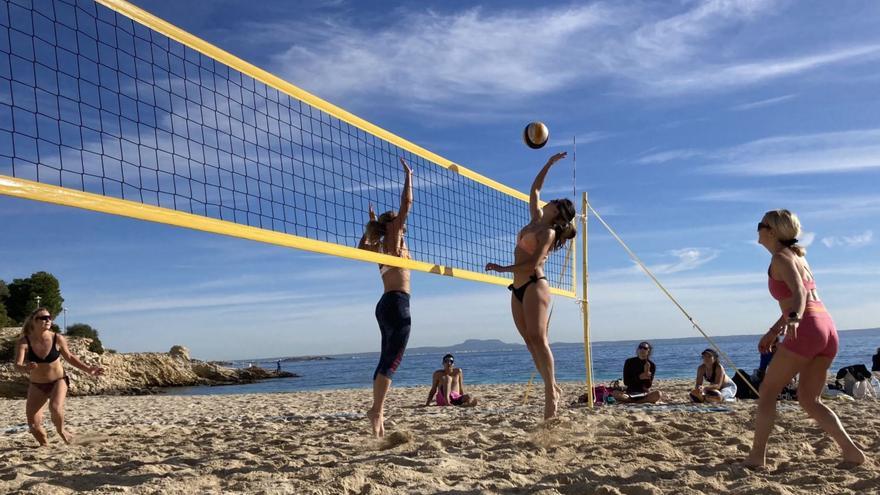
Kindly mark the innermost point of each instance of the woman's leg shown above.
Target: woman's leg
(812, 382)
(56, 409)
(376, 413)
(34, 412)
(782, 369)
(535, 308)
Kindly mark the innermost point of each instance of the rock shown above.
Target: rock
(130, 373)
(179, 352)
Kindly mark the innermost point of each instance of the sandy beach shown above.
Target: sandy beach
(318, 442)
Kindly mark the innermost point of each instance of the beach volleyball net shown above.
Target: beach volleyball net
(108, 108)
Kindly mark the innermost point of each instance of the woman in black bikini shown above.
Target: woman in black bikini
(548, 231)
(41, 348)
(385, 235)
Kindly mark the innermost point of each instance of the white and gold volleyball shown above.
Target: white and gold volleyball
(536, 135)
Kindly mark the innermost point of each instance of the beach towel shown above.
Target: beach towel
(697, 408)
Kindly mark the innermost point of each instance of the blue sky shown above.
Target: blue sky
(692, 118)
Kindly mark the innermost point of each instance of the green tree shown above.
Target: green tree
(83, 330)
(23, 294)
(4, 294)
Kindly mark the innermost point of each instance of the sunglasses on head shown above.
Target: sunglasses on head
(762, 225)
(43, 318)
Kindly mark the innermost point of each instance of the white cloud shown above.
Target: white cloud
(585, 138)
(761, 103)
(828, 152)
(853, 241)
(429, 59)
(807, 238)
(670, 155)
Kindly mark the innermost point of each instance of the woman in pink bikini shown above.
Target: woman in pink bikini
(549, 229)
(810, 339)
(41, 348)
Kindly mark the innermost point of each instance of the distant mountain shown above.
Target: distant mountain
(470, 345)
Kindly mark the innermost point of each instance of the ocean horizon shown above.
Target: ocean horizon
(676, 358)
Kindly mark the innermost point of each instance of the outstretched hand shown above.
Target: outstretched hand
(494, 267)
(406, 167)
(96, 371)
(555, 158)
(372, 212)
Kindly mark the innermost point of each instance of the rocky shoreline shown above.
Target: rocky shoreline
(130, 373)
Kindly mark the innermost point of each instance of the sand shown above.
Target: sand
(318, 442)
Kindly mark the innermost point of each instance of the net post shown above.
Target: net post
(584, 302)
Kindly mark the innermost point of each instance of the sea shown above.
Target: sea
(675, 358)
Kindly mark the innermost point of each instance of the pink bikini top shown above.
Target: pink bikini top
(779, 289)
(528, 242)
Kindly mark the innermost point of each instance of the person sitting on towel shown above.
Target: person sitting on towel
(638, 376)
(718, 386)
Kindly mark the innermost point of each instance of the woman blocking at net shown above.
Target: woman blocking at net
(810, 342)
(40, 348)
(385, 234)
(549, 229)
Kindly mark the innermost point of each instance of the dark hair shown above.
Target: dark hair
(650, 348)
(562, 223)
(712, 352)
(447, 357)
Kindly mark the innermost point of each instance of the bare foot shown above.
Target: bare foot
(377, 423)
(551, 402)
(66, 436)
(40, 435)
(855, 459)
(754, 463)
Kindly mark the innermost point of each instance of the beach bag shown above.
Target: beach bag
(743, 391)
(862, 390)
(601, 394)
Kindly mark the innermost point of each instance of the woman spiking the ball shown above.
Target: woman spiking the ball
(549, 229)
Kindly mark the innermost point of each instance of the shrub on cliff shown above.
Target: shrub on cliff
(83, 330)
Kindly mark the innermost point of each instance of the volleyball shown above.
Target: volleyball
(535, 135)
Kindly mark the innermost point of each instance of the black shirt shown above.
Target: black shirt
(632, 368)
(876, 365)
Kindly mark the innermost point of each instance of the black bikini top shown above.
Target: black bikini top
(53, 355)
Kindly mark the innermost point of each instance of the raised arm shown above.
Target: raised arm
(70, 358)
(534, 196)
(406, 196)
(363, 244)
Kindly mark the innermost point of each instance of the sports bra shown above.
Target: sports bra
(779, 289)
(528, 242)
(383, 269)
(53, 355)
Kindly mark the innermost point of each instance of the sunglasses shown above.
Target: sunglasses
(448, 361)
(762, 225)
(644, 347)
(43, 318)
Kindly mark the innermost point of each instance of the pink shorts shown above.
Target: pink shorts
(816, 334)
(454, 397)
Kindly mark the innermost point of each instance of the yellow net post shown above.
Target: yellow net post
(584, 302)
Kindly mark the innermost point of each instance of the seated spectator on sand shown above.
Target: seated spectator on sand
(713, 384)
(448, 384)
(875, 366)
(638, 376)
